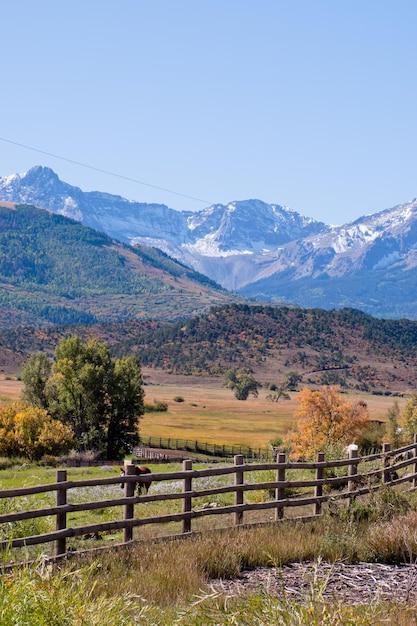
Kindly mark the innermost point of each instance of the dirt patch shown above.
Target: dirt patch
(355, 584)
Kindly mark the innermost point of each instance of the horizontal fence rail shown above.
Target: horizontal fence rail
(349, 485)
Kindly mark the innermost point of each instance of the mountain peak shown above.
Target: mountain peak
(39, 173)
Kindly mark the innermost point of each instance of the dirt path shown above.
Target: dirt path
(355, 584)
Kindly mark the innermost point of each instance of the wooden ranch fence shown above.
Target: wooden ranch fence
(355, 484)
(203, 447)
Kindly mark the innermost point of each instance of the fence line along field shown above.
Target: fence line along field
(209, 412)
(285, 486)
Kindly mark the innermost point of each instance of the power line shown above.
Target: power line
(102, 171)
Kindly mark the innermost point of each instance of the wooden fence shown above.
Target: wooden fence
(203, 447)
(390, 471)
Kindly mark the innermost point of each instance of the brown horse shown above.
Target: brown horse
(140, 470)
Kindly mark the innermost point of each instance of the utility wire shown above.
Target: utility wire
(102, 171)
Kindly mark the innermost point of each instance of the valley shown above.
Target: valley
(210, 413)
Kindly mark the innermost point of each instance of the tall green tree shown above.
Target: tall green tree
(35, 374)
(101, 398)
(126, 404)
(242, 383)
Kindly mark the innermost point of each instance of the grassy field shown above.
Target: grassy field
(171, 583)
(25, 474)
(211, 413)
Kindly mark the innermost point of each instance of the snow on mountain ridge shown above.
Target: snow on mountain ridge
(239, 227)
(266, 250)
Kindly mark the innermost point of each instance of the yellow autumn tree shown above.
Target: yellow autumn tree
(31, 432)
(326, 420)
(409, 416)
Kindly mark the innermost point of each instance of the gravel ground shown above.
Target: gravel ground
(355, 584)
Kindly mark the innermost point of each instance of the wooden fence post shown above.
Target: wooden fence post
(414, 482)
(386, 447)
(280, 491)
(353, 469)
(239, 492)
(318, 491)
(129, 508)
(187, 504)
(61, 518)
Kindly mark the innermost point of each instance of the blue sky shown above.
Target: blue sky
(306, 103)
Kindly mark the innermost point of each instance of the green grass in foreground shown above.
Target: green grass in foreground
(170, 583)
(42, 599)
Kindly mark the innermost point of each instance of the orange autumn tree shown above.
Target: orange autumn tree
(326, 420)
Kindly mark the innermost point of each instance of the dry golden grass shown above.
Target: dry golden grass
(211, 413)
(10, 390)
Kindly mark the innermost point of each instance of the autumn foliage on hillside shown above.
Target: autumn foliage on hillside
(326, 419)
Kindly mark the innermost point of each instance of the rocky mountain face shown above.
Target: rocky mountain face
(202, 239)
(265, 251)
(369, 264)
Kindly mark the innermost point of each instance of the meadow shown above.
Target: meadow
(177, 582)
(210, 412)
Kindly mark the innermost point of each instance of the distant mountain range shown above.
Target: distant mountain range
(55, 270)
(264, 251)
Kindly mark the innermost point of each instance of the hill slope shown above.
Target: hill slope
(218, 240)
(53, 269)
(344, 346)
(266, 251)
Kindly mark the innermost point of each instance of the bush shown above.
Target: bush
(77, 459)
(158, 406)
(381, 506)
(371, 436)
(178, 399)
(31, 432)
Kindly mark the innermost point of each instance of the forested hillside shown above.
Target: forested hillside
(53, 269)
(342, 346)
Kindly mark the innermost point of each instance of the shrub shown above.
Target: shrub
(178, 399)
(372, 436)
(76, 458)
(158, 406)
(276, 442)
(31, 432)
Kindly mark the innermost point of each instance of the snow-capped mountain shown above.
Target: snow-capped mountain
(202, 239)
(265, 251)
(370, 263)
(111, 214)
